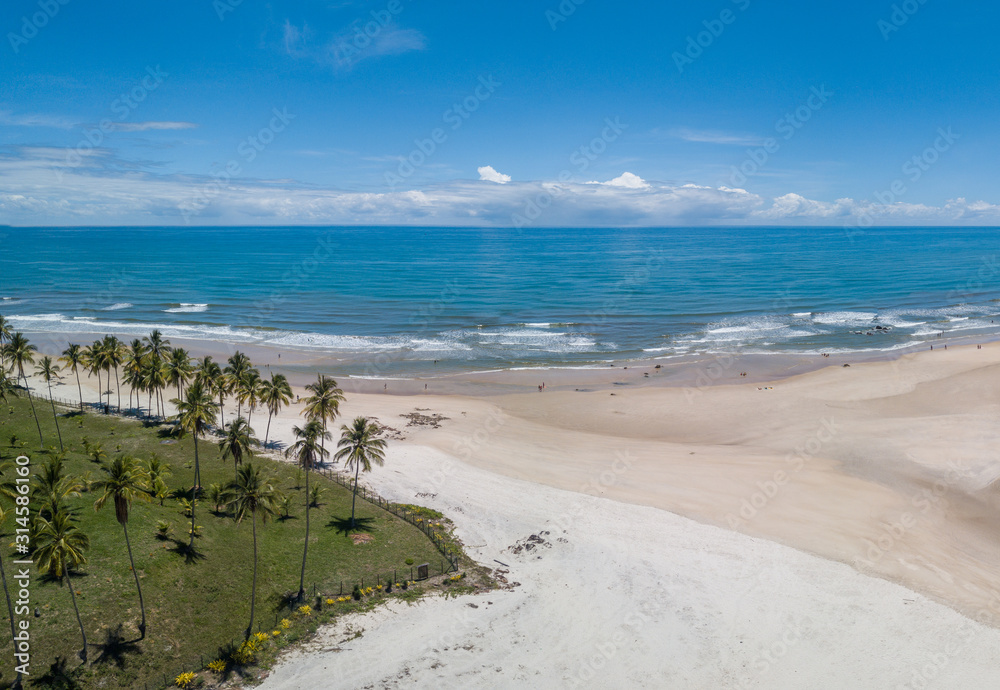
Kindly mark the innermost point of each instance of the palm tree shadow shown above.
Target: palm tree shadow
(191, 554)
(115, 649)
(344, 524)
(58, 677)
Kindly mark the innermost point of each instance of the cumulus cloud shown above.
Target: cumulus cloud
(488, 174)
(38, 187)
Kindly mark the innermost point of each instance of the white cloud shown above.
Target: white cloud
(627, 180)
(145, 126)
(39, 188)
(488, 174)
(704, 136)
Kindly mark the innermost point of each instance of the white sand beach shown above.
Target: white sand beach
(833, 529)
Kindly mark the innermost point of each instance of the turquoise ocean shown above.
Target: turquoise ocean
(476, 299)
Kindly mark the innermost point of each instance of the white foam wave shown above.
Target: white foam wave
(845, 318)
(117, 306)
(184, 308)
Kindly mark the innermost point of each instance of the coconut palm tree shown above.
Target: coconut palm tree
(157, 345)
(309, 452)
(324, 403)
(157, 471)
(178, 369)
(252, 492)
(359, 447)
(7, 387)
(237, 442)
(5, 335)
(125, 482)
(238, 365)
(49, 370)
(96, 360)
(133, 368)
(195, 413)
(10, 607)
(115, 353)
(59, 546)
(248, 391)
(73, 357)
(154, 380)
(52, 487)
(21, 352)
(275, 394)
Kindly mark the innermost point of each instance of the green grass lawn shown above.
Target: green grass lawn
(193, 606)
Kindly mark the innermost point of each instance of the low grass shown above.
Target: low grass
(194, 604)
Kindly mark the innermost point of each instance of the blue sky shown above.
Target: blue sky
(402, 112)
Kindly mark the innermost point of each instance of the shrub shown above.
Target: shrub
(409, 561)
(219, 666)
(305, 610)
(185, 679)
(356, 593)
(163, 529)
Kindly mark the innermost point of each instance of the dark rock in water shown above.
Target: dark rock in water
(847, 365)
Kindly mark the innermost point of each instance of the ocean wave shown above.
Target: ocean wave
(184, 308)
(117, 306)
(845, 318)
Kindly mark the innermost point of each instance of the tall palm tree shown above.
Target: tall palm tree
(21, 352)
(238, 365)
(252, 492)
(52, 486)
(178, 369)
(309, 452)
(115, 353)
(159, 348)
(133, 368)
(59, 546)
(154, 380)
(10, 607)
(96, 359)
(249, 390)
(73, 357)
(5, 335)
(324, 403)
(125, 482)
(237, 442)
(195, 413)
(359, 447)
(275, 393)
(49, 370)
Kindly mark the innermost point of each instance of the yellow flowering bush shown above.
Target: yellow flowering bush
(275, 633)
(285, 623)
(218, 666)
(330, 602)
(306, 610)
(184, 680)
(261, 637)
(246, 653)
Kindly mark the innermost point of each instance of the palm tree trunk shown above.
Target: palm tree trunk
(79, 388)
(83, 652)
(142, 606)
(118, 385)
(10, 615)
(253, 589)
(354, 496)
(268, 432)
(100, 392)
(222, 411)
(194, 489)
(55, 417)
(305, 549)
(41, 441)
(149, 404)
